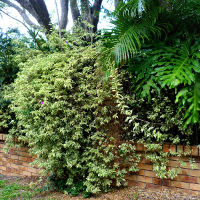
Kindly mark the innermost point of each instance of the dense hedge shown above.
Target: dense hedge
(61, 104)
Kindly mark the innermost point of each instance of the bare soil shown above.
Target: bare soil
(129, 193)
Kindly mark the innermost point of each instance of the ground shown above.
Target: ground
(26, 188)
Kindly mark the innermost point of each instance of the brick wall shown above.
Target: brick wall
(188, 179)
(16, 162)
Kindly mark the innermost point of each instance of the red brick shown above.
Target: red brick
(14, 157)
(173, 163)
(33, 170)
(25, 173)
(8, 169)
(16, 171)
(4, 159)
(30, 160)
(139, 147)
(14, 166)
(193, 193)
(132, 177)
(186, 172)
(22, 168)
(6, 173)
(23, 158)
(149, 185)
(183, 191)
(6, 164)
(195, 151)
(6, 155)
(195, 187)
(144, 179)
(24, 154)
(145, 166)
(166, 148)
(150, 173)
(18, 162)
(1, 137)
(194, 172)
(179, 184)
(180, 148)
(26, 164)
(141, 172)
(141, 185)
(163, 182)
(188, 179)
(24, 149)
(132, 183)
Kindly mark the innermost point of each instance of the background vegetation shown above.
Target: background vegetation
(80, 101)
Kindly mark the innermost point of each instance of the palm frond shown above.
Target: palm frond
(132, 27)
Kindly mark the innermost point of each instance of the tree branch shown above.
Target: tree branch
(22, 12)
(15, 19)
(38, 44)
(42, 12)
(27, 5)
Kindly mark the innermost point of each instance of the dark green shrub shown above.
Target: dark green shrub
(14, 50)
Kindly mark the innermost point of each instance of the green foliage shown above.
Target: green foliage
(9, 191)
(8, 67)
(14, 50)
(60, 100)
(8, 71)
(164, 59)
(158, 43)
(171, 68)
(74, 117)
(134, 23)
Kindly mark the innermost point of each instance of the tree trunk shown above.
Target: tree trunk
(74, 10)
(64, 13)
(88, 13)
(42, 12)
(95, 14)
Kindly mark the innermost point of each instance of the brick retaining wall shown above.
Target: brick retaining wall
(188, 179)
(17, 163)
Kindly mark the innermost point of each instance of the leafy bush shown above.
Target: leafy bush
(14, 50)
(8, 66)
(64, 108)
(8, 71)
(155, 42)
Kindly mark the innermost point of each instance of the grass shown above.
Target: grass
(13, 191)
